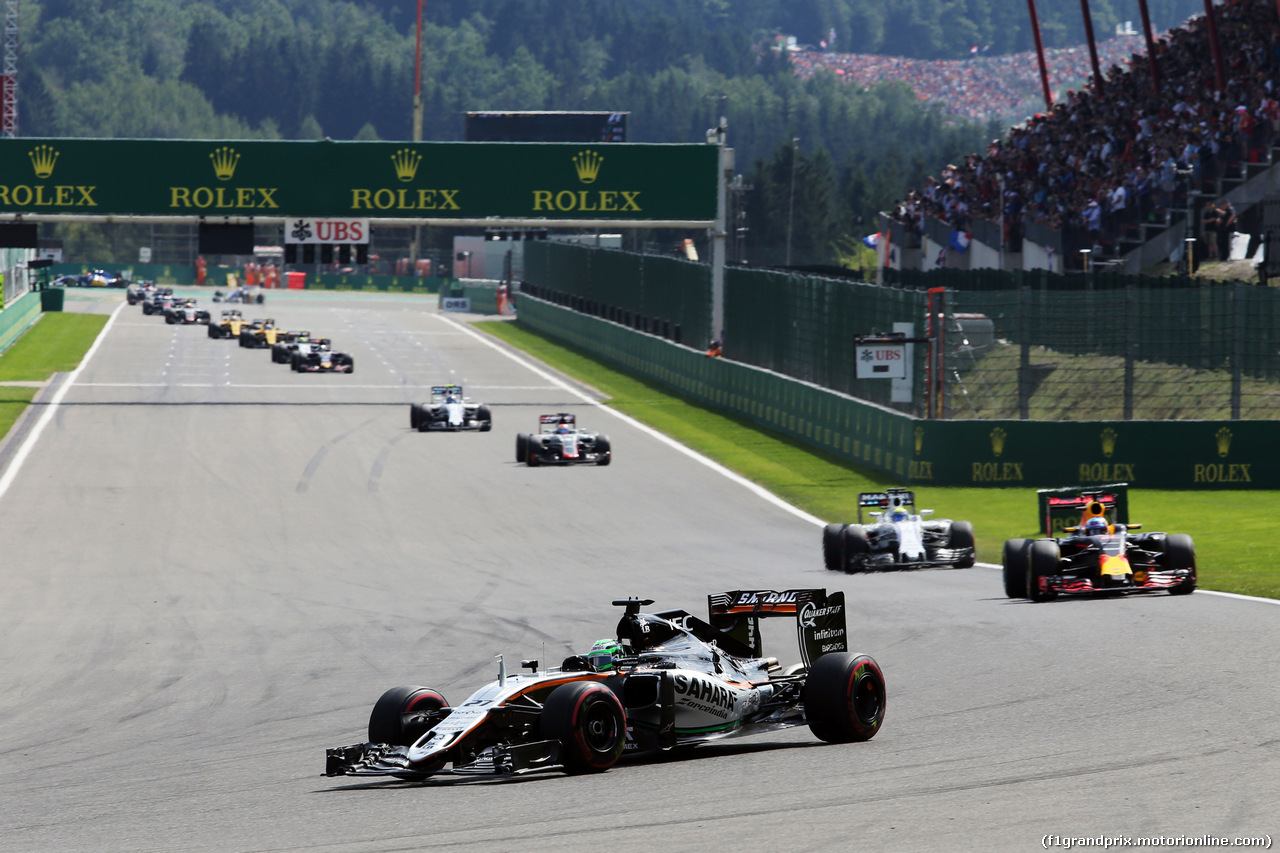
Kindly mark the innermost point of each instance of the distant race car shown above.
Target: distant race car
(560, 442)
(229, 326)
(155, 301)
(138, 291)
(287, 344)
(449, 410)
(259, 333)
(186, 312)
(321, 358)
(668, 680)
(898, 538)
(1099, 556)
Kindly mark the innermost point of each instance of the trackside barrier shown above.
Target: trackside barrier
(1003, 453)
(481, 295)
(15, 318)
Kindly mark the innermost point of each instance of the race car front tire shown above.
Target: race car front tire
(590, 724)
(833, 547)
(391, 720)
(485, 417)
(215, 331)
(962, 538)
(857, 547)
(844, 697)
(522, 447)
(1180, 553)
(1044, 559)
(415, 415)
(605, 449)
(1016, 561)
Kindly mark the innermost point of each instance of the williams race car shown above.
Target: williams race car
(450, 410)
(560, 442)
(1099, 556)
(899, 538)
(668, 680)
(320, 358)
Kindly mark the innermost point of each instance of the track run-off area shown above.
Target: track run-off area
(212, 567)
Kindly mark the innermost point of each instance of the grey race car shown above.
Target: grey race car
(449, 410)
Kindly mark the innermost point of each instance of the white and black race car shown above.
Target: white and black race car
(186, 312)
(668, 680)
(898, 538)
(449, 410)
(560, 442)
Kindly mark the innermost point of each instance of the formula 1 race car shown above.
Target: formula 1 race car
(450, 410)
(560, 442)
(287, 344)
(900, 539)
(185, 312)
(138, 291)
(320, 358)
(668, 680)
(1099, 556)
(229, 326)
(157, 300)
(260, 333)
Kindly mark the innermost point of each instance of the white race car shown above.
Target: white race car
(449, 410)
(897, 538)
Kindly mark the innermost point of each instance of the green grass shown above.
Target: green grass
(55, 344)
(1233, 531)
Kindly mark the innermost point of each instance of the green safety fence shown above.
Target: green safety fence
(17, 316)
(1212, 454)
(474, 297)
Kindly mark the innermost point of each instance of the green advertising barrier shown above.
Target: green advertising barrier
(481, 296)
(436, 181)
(17, 316)
(1145, 454)
(181, 275)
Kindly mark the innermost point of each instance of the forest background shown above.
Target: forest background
(820, 156)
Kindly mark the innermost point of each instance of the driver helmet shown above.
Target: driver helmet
(604, 654)
(563, 429)
(1096, 526)
(899, 514)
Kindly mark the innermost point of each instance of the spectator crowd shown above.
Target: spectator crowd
(1104, 158)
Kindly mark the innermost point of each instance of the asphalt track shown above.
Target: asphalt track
(211, 567)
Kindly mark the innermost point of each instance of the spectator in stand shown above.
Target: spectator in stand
(1209, 230)
(1226, 229)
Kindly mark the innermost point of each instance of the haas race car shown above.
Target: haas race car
(185, 312)
(449, 410)
(667, 680)
(898, 538)
(560, 442)
(1099, 556)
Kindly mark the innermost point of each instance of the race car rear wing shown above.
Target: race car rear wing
(820, 620)
(440, 390)
(553, 421)
(886, 500)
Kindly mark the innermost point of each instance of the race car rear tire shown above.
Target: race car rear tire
(1016, 560)
(857, 547)
(962, 537)
(1044, 559)
(605, 449)
(833, 547)
(522, 447)
(1180, 553)
(590, 724)
(485, 417)
(844, 697)
(387, 721)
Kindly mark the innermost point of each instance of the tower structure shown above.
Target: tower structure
(9, 72)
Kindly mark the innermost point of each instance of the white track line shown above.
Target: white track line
(670, 442)
(51, 409)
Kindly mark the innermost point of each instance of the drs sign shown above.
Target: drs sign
(882, 361)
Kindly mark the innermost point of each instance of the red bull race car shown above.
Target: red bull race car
(1099, 556)
(667, 680)
(320, 358)
(560, 442)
